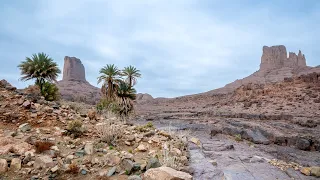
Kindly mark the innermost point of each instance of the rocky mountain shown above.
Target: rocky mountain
(74, 86)
(275, 66)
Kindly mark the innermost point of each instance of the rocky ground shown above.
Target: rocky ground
(281, 118)
(61, 140)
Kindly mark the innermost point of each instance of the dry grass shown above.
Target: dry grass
(42, 146)
(109, 131)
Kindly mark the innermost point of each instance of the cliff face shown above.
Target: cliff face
(275, 57)
(73, 86)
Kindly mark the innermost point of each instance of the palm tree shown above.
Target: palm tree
(40, 67)
(125, 95)
(110, 76)
(131, 74)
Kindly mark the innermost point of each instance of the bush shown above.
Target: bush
(75, 128)
(50, 91)
(73, 169)
(109, 133)
(238, 137)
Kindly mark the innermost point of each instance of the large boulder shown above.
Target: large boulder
(166, 173)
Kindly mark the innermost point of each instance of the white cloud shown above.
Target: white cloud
(180, 46)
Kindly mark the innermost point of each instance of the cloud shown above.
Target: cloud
(181, 47)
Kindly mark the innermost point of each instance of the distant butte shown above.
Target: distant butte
(275, 66)
(74, 86)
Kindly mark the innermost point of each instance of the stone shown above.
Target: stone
(303, 144)
(26, 159)
(69, 158)
(21, 148)
(112, 160)
(134, 177)
(165, 134)
(315, 171)
(55, 148)
(131, 138)
(27, 104)
(15, 164)
(80, 153)
(111, 171)
(166, 173)
(255, 136)
(153, 163)
(142, 148)
(195, 141)
(55, 169)
(3, 166)
(43, 162)
(127, 165)
(25, 127)
(176, 152)
(127, 143)
(88, 148)
(103, 172)
(84, 171)
(306, 171)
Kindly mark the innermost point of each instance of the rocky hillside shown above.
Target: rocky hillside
(274, 67)
(57, 140)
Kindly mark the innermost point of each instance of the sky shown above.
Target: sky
(181, 47)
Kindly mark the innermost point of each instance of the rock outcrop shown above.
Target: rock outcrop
(74, 86)
(73, 70)
(143, 98)
(275, 57)
(275, 66)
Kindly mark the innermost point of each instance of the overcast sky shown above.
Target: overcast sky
(181, 46)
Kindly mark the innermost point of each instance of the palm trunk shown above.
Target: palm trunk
(110, 89)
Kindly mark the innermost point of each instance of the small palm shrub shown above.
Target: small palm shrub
(50, 92)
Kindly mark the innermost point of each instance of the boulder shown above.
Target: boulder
(111, 171)
(142, 148)
(166, 173)
(3, 166)
(195, 141)
(127, 165)
(134, 177)
(303, 144)
(25, 127)
(306, 171)
(43, 162)
(27, 104)
(153, 163)
(88, 148)
(315, 171)
(15, 164)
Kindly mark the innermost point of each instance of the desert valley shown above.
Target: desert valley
(264, 126)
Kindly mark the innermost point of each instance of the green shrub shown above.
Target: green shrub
(238, 137)
(75, 128)
(50, 91)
